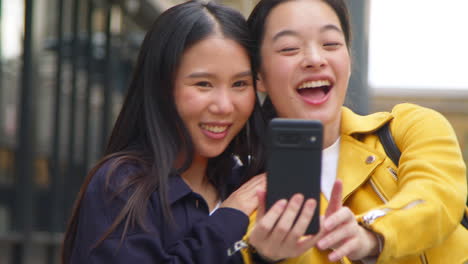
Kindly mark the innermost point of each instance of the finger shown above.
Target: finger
(283, 227)
(335, 202)
(265, 222)
(305, 243)
(256, 180)
(249, 189)
(351, 246)
(268, 220)
(343, 215)
(261, 203)
(302, 221)
(336, 237)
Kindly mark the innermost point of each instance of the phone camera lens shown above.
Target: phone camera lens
(287, 138)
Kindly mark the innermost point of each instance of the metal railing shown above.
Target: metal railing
(90, 67)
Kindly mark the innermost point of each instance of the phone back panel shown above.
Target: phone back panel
(294, 162)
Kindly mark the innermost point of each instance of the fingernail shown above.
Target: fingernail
(322, 244)
(282, 203)
(298, 199)
(333, 257)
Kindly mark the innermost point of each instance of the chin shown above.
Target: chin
(209, 154)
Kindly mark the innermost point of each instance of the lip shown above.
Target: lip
(215, 125)
(316, 78)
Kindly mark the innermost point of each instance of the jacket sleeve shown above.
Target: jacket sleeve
(205, 242)
(432, 187)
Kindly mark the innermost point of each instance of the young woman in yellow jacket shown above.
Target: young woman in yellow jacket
(372, 210)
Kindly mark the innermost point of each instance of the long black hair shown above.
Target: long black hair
(149, 131)
(256, 23)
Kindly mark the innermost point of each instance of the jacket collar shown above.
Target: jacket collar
(178, 189)
(358, 160)
(352, 123)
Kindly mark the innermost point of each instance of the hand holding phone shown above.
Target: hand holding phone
(294, 162)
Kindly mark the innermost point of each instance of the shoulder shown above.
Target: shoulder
(108, 189)
(113, 173)
(415, 119)
(410, 111)
(402, 117)
(106, 194)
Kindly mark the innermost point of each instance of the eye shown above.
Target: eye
(240, 83)
(288, 50)
(203, 84)
(332, 45)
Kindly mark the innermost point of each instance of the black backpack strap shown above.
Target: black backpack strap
(464, 220)
(394, 153)
(389, 144)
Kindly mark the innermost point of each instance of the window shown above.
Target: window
(12, 16)
(418, 44)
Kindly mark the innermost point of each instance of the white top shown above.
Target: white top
(216, 207)
(329, 167)
(330, 157)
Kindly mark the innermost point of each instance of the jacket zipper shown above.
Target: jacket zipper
(377, 191)
(394, 173)
(422, 257)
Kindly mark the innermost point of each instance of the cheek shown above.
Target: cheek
(246, 104)
(188, 105)
(343, 63)
(277, 74)
(345, 72)
(276, 66)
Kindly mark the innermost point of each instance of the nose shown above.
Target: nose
(222, 103)
(313, 59)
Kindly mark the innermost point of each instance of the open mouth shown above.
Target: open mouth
(213, 128)
(315, 91)
(215, 131)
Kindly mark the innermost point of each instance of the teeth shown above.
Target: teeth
(314, 84)
(214, 129)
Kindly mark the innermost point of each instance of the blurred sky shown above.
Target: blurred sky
(413, 43)
(418, 44)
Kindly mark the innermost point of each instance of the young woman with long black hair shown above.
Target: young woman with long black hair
(167, 190)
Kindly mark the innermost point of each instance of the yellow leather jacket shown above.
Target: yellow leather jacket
(422, 201)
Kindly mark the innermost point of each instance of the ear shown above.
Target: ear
(260, 85)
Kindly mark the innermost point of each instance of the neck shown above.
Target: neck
(195, 176)
(196, 179)
(331, 132)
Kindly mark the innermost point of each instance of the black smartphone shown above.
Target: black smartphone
(294, 162)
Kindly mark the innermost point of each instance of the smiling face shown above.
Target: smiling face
(305, 65)
(214, 93)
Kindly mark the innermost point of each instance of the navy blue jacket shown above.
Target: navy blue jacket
(196, 236)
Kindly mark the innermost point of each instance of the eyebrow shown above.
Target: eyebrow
(289, 32)
(282, 33)
(331, 27)
(210, 75)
